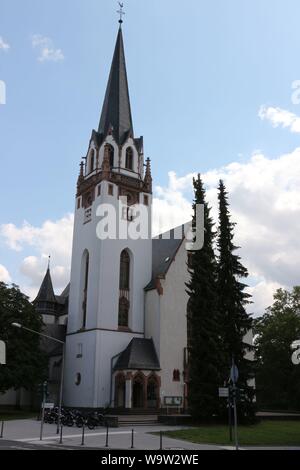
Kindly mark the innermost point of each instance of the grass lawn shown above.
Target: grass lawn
(273, 433)
(9, 415)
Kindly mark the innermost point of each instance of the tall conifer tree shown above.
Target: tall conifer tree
(232, 298)
(203, 322)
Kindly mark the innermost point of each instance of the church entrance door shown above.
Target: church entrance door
(120, 392)
(138, 393)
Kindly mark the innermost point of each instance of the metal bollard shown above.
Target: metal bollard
(2, 428)
(161, 440)
(61, 434)
(106, 444)
(83, 434)
(132, 439)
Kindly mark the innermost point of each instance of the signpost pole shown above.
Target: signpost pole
(43, 411)
(235, 419)
(234, 375)
(230, 414)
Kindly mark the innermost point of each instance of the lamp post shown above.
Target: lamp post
(18, 325)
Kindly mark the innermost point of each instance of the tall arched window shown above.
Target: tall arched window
(111, 154)
(85, 282)
(124, 270)
(124, 294)
(92, 161)
(129, 159)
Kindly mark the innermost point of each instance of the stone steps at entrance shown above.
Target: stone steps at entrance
(135, 412)
(137, 420)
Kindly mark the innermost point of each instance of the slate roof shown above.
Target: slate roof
(163, 253)
(46, 292)
(116, 111)
(140, 354)
(65, 293)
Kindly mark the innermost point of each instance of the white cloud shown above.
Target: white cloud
(4, 275)
(4, 46)
(265, 203)
(280, 117)
(170, 206)
(262, 295)
(47, 51)
(52, 238)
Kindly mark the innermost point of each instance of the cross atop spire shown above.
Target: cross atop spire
(121, 12)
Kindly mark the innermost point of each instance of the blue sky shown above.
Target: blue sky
(199, 71)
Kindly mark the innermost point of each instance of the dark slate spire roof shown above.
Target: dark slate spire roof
(46, 292)
(140, 354)
(116, 111)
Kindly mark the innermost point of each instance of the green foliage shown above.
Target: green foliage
(278, 380)
(232, 302)
(217, 317)
(204, 341)
(266, 433)
(26, 364)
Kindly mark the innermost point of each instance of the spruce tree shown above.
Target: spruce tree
(203, 322)
(232, 301)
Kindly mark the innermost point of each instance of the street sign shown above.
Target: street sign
(234, 374)
(49, 406)
(2, 353)
(224, 392)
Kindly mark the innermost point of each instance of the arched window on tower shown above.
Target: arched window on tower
(129, 159)
(92, 161)
(85, 282)
(124, 303)
(111, 154)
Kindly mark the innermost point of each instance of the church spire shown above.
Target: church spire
(116, 112)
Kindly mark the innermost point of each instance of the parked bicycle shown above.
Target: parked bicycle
(73, 417)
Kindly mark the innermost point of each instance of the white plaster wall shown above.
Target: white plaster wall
(153, 318)
(248, 339)
(48, 319)
(98, 348)
(102, 303)
(104, 262)
(174, 324)
(82, 395)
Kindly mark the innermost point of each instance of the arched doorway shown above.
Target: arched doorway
(153, 392)
(120, 391)
(138, 392)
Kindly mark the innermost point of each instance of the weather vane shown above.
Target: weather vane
(121, 12)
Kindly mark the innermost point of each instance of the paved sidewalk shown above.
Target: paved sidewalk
(24, 434)
(28, 431)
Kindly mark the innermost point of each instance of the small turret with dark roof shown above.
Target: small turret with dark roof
(45, 301)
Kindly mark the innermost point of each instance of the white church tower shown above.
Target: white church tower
(108, 275)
